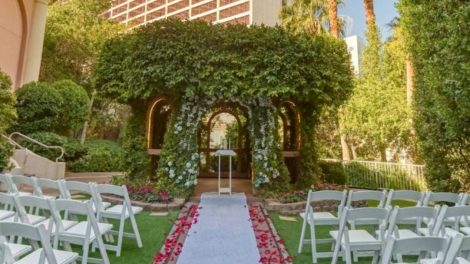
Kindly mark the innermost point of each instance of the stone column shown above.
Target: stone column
(35, 41)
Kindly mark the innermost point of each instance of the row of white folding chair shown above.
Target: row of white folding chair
(347, 241)
(62, 230)
(39, 255)
(383, 199)
(104, 210)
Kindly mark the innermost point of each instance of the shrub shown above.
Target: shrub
(48, 138)
(102, 155)
(75, 107)
(7, 117)
(333, 172)
(58, 107)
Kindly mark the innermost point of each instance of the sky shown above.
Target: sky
(385, 11)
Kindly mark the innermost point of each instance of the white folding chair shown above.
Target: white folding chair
(12, 250)
(48, 185)
(5, 181)
(45, 206)
(7, 205)
(432, 198)
(39, 255)
(313, 219)
(423, 245)
(84, 233)
(20, 181)
(451, 219)
(414, 197)
(459, 248)
(76, 187)
(121, 212)
(10, 199)
(359, 240)
(417, 214)
(356, 196)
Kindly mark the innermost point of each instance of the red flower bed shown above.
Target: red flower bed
(174, 242)
(271, 247)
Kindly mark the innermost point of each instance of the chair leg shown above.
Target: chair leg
(347, 253)
(85, 248)
(334, 259)
(102, 248)
(375, 259)
(313, 243)
(120, 236)
(135, 228)
(302, 236)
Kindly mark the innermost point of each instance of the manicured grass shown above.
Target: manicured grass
(153, 230)
(290, 233)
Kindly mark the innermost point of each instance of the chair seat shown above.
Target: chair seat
(357, 237)
(32, 219)
(402, 233)
(79, 230)
(461, 260)
(103, 204)
(116, 210)
(25, 194)
(5, 214)
(465, 230)
(423, 231)
(18, 250)
(65, 223)
(62, 257)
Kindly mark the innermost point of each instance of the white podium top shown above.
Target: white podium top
(225, 152)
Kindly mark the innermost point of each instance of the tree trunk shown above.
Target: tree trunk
(409, 79)
(87, 121)
(370, 15)
(333, 18)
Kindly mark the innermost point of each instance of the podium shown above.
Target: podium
(225, 153)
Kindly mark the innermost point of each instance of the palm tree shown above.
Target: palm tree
(370, 15)
(333, 18)
(305, 16)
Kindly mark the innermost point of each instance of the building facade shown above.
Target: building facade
(140, 12)
(22, 26)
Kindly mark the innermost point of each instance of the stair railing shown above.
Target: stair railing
(13, 142)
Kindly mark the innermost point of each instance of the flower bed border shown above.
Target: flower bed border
(175, 205)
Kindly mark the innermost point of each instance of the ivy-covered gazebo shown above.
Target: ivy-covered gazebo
(175, 74)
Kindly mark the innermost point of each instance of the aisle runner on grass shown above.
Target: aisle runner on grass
(223, 234)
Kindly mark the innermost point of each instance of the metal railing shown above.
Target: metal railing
(13, 142)
(377, 175)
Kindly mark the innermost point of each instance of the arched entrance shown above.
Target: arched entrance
(224, 127)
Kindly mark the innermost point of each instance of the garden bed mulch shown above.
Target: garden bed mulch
(270, 246)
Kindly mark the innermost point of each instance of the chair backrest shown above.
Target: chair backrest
(442, 197)
(21, 180)
(404, 195)
(423, 245)
(459, 244)
(374, 213)
(355, 196)
(76, 186)
(5, 180)
(417, 213)
(32, 233)
(23, 202)
(326, 195)
(6, 201)
(458, 214)
(49, 184)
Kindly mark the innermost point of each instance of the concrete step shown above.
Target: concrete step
(98, 177)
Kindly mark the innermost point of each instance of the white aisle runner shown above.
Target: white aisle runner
(223, 233)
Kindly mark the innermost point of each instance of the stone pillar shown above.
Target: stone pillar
(35, 41)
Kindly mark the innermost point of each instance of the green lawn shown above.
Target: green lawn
(153, 230)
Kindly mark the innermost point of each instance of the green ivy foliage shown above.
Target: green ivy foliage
(195, 58)
(196, 64)
(438, 38)
(7, 117)
(60, 107)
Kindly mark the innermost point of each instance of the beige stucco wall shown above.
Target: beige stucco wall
(15, 25)
(266, 12)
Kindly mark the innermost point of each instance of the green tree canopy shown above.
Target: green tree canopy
(75, 33)
(438, 38)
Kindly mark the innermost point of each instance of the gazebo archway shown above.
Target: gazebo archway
(225, 126)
